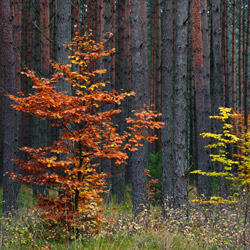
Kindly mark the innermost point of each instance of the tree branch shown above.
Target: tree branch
(53, 42)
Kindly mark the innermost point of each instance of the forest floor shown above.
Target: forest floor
(198, 227)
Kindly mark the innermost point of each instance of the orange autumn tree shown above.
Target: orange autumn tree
(88, 133)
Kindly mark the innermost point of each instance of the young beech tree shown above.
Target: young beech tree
(88, 133)
(236, 166)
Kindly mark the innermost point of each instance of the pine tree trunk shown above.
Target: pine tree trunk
(216, 78)
(167, 103)
(139, 84)
(225, 20)
(202, 96)
(180, 104)
(45, 44)
(1, 105)
(216, 46)
(234, 57)
(105, 19)
(152, 53)
(63, 36)
(83, 17)
(158, 89)
(246, 87)
(44, 54)
(122, 81)
(75, 17)
(11, 121)
(240, 55)
(26, 44)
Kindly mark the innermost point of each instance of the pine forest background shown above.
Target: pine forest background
(186, 57)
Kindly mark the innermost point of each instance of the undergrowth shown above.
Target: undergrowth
(198, 226)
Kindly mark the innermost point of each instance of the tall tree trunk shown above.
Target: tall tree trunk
(75, 17)
(99, 20)
(167, 103)
(75, 24)
(202, 92)
(17, 17)
(244, 17)
(11, 121)
(26, 52)
(105, 24)
(152, 62)
(216, 77)
(90, 13)
(140, 87)
(234, 57)
(1, 104)
(43, 52)
(180, 104)
(240, 55)
(225, 22)
(128, 70)
(152, 72)
(216, 64)
(83, 18)
(112, 43)
(246, 87)
(158, 89)
(63, 36)
(45, 44)
(122, 81)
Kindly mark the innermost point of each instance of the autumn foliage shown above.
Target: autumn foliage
(88, 133)
(236, 164)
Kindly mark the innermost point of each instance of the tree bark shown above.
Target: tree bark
(152, 52)
(202, 91)
(240, 56)
(1, 105)
(234, 57)
(167, 103)
(158, 89)
(105, 24)
(75, 17)
(246, 87)
(225, 61)
(180, 104)
(63, 36)
(140, 86)
(216, 78)
(11, 121)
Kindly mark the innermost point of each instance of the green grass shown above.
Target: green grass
(25, 197)
(145, 239)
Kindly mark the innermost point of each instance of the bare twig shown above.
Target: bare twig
(53, 42)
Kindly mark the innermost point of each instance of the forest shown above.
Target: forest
(124, 124)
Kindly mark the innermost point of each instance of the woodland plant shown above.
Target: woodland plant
(236, 165)
(154, 176)
(88, 133)
(207, 226)
(236, 169)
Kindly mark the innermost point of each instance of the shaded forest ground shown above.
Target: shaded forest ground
(197, 227)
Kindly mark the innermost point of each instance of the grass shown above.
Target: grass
(206, 227)
(25, 197)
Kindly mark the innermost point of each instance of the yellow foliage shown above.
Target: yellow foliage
(234, 133)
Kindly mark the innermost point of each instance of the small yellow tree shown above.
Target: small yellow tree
(236, 165)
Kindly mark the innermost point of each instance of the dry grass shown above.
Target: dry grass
(195, 227)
